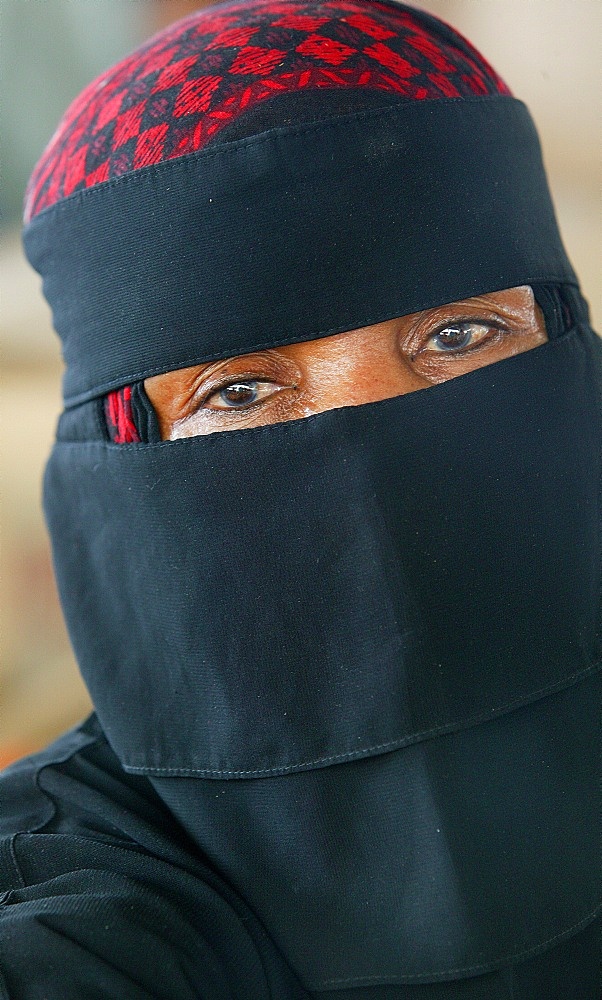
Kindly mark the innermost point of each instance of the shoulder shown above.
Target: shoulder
(100, 893)
(25, 807)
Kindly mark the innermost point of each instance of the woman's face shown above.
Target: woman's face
(359, 366)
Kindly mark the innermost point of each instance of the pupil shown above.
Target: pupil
(454, 337)
(239, 394)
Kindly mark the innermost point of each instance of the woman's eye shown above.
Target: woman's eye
(457, 337)
(240, 395)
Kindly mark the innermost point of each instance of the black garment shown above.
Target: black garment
(104, 896)
(421, 822)
(352, 661)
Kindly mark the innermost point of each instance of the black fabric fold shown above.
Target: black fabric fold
(99, 860)
(342, 585)
(451, 858)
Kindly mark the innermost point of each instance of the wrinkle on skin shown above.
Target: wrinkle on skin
(365, 365)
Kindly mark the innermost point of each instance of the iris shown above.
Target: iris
(239, 394)
(458, 336)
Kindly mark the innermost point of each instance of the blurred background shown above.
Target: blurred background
(548, 51)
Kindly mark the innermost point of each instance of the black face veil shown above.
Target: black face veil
(356, 654)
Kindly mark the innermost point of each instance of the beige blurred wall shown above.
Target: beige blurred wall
(548, 52)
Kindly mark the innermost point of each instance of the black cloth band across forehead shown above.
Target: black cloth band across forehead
(293, 234)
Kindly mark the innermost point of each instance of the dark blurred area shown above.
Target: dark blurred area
(548, 52)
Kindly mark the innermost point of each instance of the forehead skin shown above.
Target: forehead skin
(401, 355)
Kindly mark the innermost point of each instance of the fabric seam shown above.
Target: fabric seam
(226, 149)
(483, 967)
(390, 745)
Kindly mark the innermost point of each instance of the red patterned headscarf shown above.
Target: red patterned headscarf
(180, 90)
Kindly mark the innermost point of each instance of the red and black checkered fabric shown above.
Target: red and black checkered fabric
(174, 94)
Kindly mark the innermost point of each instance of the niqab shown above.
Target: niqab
(356, 654)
